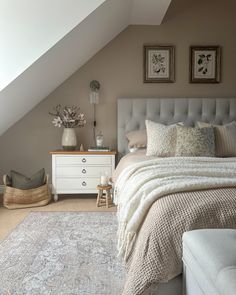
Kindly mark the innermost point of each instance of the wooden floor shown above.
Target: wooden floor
(10, 218)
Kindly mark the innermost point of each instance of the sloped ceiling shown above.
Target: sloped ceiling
(37, 74)
(29, 28)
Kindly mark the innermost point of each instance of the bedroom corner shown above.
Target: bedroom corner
(116, 117)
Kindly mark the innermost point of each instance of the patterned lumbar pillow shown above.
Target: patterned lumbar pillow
(161, 139)
(21, 181)
(195, 142)
(225, 138)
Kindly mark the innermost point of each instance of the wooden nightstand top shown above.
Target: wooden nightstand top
(62, 152)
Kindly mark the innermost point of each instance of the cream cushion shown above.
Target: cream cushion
(195, 142)
(161, 139)
(225, 138)
(137, 138)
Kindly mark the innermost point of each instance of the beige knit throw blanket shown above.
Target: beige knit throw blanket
(140, 185)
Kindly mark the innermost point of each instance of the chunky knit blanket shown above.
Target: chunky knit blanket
(145, 184)
(140, 185)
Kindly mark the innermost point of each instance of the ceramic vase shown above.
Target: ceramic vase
(69, 141)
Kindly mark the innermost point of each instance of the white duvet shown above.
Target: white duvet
(140, 185)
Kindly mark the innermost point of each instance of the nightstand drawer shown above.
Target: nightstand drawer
(77, 183)
(82, 171)
(83, 160)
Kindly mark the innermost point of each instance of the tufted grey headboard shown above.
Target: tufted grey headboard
(132, 113)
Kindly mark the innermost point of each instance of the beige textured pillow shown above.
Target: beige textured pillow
(137, 138)
(225, 138)
(161, 139)
(195, 142)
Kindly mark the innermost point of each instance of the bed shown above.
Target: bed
(132, 114)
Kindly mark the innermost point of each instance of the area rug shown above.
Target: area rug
(62, 253)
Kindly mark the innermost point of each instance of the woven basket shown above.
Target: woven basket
(14, 198)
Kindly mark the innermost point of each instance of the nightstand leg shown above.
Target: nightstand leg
(55, 197)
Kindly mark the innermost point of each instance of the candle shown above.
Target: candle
(99, 140)
(104, 179)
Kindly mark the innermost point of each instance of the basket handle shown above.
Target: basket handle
(5, 179)
(46, 178)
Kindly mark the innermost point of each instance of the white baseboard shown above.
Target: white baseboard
(1, 189)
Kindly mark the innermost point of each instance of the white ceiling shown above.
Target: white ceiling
(39, 76)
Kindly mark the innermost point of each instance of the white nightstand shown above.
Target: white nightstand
(78, 172)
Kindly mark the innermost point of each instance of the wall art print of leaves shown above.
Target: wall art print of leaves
(158, 64)
(203, 63)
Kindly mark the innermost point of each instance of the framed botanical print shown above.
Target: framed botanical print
(204, 64)
(158, 64)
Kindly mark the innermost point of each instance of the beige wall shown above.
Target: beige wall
(119, 68)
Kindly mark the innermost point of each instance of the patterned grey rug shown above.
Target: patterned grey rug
(62, 253)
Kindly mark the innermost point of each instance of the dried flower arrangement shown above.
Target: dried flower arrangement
(68, 117)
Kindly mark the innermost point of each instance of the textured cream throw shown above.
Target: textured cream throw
(140, 185)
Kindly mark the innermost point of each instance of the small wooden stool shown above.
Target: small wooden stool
(104, 195)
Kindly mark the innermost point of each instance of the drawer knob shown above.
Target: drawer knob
(84, 160)
(84, 183)
(84, 171)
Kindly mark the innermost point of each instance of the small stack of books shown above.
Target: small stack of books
(99, 149)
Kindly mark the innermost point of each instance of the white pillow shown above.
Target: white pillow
(161, 139)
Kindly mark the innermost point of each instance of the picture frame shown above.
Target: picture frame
(204, 64)
(158, 64)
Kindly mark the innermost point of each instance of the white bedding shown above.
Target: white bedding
(140, 185)
(129, 159)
